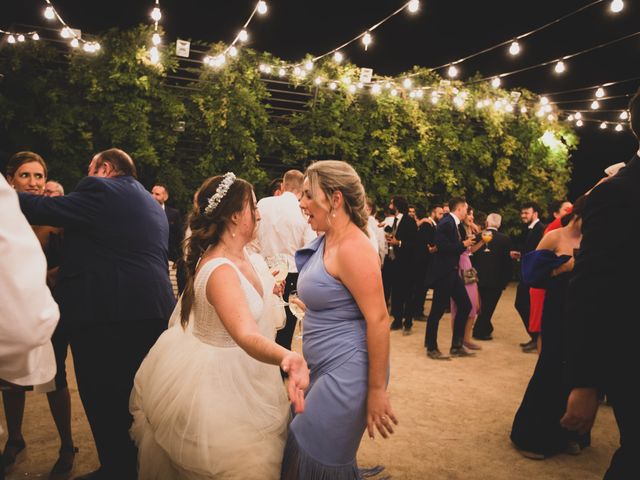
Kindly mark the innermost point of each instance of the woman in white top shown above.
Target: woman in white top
(208, 401)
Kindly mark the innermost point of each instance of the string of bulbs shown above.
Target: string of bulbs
(19, 37)
(50, 13)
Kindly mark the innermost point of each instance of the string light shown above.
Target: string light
(544, 101)
(75, 43)
(514, 48)
(617, 6)
(523, 110)
(156, 14)
(35, 36)
(570, 118)
(366, 40)
(578, 116)
(624, 115)
(352, 89)
(66, 32)
(233, 51)
(394, 92)
(308, 65)
(333, 85)
(281, 72)
(154, 55)
(338, 57)
(413, 6)
(618, 128)
(243, 36)
(156, 39)
(603, 125)
(579, 123)
(318, 81)
(262, 7)
(453, 71)
(376, 89)
(407, 83)
(11, 39)
(560, 67)
(595, 105)
(495, 83)
(600, 92)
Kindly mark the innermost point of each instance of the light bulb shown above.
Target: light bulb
(262, 67)
(394, 92)
(412, 94)
(407, 83)
(523, 109)
(550, 117)
(11, 39)
(49, 13)
(219, 60)
(509, 108)
(497, 105)
(318, 81)
(96, 46)
(156, 39)
(514, 48)
(540, 113)
(495, 83)
(262, 7)
(333, 85)
(243, 36)
(156, 14)
(296, 71)
(267, 69)
(603, 125)
(154, 55)
(308, 65)
(547, 108)
(360, 85)
(338, 57)
(387, 85)
(578, 116)
(579, 123)
(376, 89)
(600, 92)
(617, 6)
(434, 99)
(21, 38)
(366, 40)
(35, 36)
(87, 47)
(570, 118)
(480, 104)
(65, 32)
(618, 128)
(352, 89)
(624, 115)
(413, 6)
(282, 72)
(560, 67)
(544, 101)
(453, 71)
(346, 80)
(595, 105)
(419, 94)
(75, 43)
(233, 51)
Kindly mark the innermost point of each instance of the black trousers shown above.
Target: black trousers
(402, 295)
(106, 358)
(523, 306)
(388, 273)
(284, 337)
(624, 464)
(489, 297)
(448, 287)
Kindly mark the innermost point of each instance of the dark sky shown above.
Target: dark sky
(443, 30)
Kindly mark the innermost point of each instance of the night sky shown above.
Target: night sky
(442, 31)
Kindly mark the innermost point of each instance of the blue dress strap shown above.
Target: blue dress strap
(537, 266)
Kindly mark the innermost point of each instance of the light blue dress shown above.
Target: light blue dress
(323, 441)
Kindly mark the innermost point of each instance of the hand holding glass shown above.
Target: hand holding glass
(487, 236)
(279, 268)
(297, 308)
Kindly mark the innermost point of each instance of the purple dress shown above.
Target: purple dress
(472, 288)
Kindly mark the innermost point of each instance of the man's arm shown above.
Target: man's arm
(447, 240)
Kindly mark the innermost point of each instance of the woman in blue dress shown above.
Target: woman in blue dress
(346, 331)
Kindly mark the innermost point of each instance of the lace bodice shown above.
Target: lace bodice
(207, 326)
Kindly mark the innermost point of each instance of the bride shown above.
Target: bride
(208, 400)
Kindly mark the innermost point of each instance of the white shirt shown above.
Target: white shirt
(282, 228)
(28, 313)
(533, 224)
(377, 238)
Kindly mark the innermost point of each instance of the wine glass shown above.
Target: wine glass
(296, 307)
(279, 268)
(487, 236)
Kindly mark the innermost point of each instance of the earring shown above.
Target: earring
(233, 235)
(333, 215)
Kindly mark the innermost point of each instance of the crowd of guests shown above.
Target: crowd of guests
(90, 270)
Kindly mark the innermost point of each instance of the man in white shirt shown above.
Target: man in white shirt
(28, 313)
(283, 229)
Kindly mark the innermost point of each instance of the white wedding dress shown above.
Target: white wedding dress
(202, 407)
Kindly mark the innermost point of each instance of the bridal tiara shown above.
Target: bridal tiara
(221, 191)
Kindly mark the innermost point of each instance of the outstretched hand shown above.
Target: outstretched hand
(296, 367)
(379, 413)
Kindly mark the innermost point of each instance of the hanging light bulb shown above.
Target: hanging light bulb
(338, 57)
(156, 14)
(540, 113)
(262, 7)
(66, 32)
(570, 118)
(578, 116)
(11, 39)
(452, 71)
(407, 83)
(550, 117)
(154, 55)
(267, 69)
(560, 67)
(595, 105)
(281, 72)
(413, 6)
(333, 85)
(360, 85)
(617, 6)
(366, 40)
(243, 36)
(49, 13)
(523, 109)
(75, 43)
(544, 101)
(547, 108)
(419, 94)
(603, 125)
(509, 108)
(394, 92)
(233, 51)
(87, 47)
(495, 83)
(618, 128)
(624, 115)
(387, 85)
(318, 81)
(346, 80)
(262, 67)
(514, 48)
(352, 89)
(297, 71)
(308, 65)
(156, 39)
(376, 89)
(35, 36)
(579, 123)
(96, 46)
(21, 38)
(600, 92)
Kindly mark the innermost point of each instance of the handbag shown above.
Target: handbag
(470, 275)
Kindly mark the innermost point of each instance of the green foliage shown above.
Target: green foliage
(69, 106)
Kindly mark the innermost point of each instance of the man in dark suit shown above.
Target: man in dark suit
(494, 273)
(114, 293)
(447, 283)
(602, 309)
(401, 242)
(529, 214)
(161, 193)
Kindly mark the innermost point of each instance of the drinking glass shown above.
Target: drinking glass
(295, 305)
(279, 268)
(487, 236)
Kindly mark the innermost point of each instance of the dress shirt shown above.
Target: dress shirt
(28, 313)
(377, 238)
(282, 228)
(455, 219)
(533, 224)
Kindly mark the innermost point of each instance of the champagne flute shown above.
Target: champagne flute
(279, 268)
(296, 307)
(487, 236)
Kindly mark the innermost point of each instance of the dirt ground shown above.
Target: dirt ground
(455, 416)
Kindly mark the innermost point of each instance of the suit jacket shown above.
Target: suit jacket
(494, 267)
(533, 237)
(114, 260)
(450, 247)
(406, 233)
(175, 232)
(602, 304)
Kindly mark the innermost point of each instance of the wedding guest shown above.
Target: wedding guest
(601, 305)
(376, 234)
(114, 293)
(27, 172)
(226, 358)
(160, 193)
(275, 187)
(28, 313)
(346, 331)
(53, 189)
(536, 430)
(421, 256)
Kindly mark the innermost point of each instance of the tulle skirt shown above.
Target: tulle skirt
(203, 412)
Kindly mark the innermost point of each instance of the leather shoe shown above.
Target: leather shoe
(528, 344)
(460, 352)
(531, 455)
(483, 337)
(437, 355)
(406, 332)
(530, 348)
(395, 326)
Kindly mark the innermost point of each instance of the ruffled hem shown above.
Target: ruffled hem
(298, 464)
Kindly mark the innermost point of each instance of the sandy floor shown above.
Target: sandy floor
(455, 417)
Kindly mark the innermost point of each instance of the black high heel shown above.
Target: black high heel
(63, 466)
